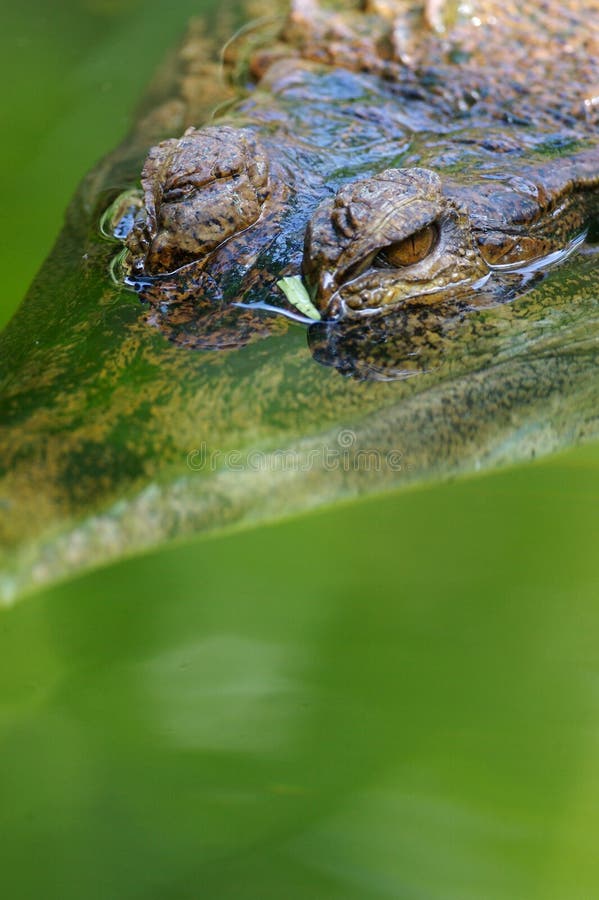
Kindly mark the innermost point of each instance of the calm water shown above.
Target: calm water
(398, 698)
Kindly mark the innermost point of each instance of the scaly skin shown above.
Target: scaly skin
(361, 128)
(103, 419)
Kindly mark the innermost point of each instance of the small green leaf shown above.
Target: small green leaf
(296, 293)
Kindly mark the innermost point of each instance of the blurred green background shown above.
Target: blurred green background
(396, 698)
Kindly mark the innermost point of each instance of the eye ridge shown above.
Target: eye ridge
(409, 251)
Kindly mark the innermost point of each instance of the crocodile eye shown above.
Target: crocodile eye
(178, 192)
(199, 190)
(411, 250)
(399, 255)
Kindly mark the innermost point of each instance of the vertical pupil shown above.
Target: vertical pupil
(411, 250)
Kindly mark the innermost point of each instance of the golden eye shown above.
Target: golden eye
(411, 250)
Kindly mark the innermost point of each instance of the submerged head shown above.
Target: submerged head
(220, 209)
(383, 240)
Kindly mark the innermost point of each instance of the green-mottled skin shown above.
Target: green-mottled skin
(102, 415)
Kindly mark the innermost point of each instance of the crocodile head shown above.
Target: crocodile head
(383, 240)
(382, 179)
(222, 220)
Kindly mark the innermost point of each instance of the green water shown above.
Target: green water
(398, 698)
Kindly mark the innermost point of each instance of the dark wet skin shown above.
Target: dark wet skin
(395, 158)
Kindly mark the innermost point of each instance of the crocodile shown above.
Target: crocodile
(114, 439)
(391, 155)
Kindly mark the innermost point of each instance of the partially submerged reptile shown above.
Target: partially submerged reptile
(394, 156)
(363, 150)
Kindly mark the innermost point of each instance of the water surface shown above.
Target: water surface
(395, 698)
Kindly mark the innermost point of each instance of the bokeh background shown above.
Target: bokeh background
(394, 698)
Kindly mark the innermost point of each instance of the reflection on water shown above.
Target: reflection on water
(389, 700)
(224, 693)
(380, 843)
(460, 334)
